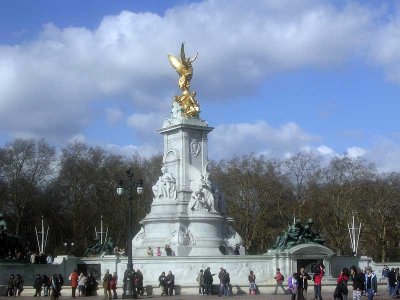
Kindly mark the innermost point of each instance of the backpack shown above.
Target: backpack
(283, 278)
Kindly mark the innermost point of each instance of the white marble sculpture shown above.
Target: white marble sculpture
(165, 188)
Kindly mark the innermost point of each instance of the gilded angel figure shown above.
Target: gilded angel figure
(183, 67)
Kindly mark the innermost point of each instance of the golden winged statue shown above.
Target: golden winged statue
(183, 67)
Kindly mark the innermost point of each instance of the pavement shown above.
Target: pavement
(325, 296)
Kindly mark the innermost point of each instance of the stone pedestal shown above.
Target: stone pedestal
(187, 213)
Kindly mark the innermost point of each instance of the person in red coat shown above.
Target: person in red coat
(73, 279)
(113, 285)
(318, 274)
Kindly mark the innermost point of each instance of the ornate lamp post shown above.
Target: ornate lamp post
(68, 246)
(129, 291)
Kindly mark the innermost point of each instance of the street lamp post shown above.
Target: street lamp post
(68, 246)
(129, 288)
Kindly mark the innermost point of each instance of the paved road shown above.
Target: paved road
(326, 296)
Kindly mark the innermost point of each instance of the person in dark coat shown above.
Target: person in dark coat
(163, 284)
(170, 283)
(302, 281)
(208, 281)
(37, 284)
(92, 284)
(358, 282)
(18, 285)
(391, 277)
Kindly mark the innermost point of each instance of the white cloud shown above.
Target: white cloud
(145, 150)
(259, 138)
(355, 152)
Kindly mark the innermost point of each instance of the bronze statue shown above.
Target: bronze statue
(296, 234)
(183, 67)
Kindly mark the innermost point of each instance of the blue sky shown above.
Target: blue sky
(274, 78)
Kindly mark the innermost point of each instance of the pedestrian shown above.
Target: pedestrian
(45, 284)
(73, 280)
(208, 281)
(82, 281)
(139, 282)
(397, 287)
(279, 278)
(37, 285)
(385, 273)
(222, 249)
(106, 285)
(168, 250)
(252, 283)
(371, 284)
(358, 282)
(92, 284)
(237, 250)
(10, 286)
(55, 287)
(158, 252)
(318, 274)
(170, 283)
(149, 251)
(341, 290)
(227, 283)
(293, 286)
(113, 285)
(200, 281)
(302, 280)
(391, 278)
(49, 259)
(163, 284)
(18, 285)
(221, 277)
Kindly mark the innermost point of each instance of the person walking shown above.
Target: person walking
(302, 279)
(82, 281)
(358, 282)
(318, 274)
(371, 284)
(170, 283)
(113, 285)
(279, 280)
(293, 285)
(391, 278)
(341, 290)
(252, 283)
(73, 279)
(45, 284)
(106, 285)
(200, 281)
(55, 287)
(37, 284)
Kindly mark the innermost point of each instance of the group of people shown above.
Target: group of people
(205, 280)
(393, 280)
(15, 285)
(363, 282)
(168, 251)
(41, 258)
(51, 286)
(86, 285)
(167, 283)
